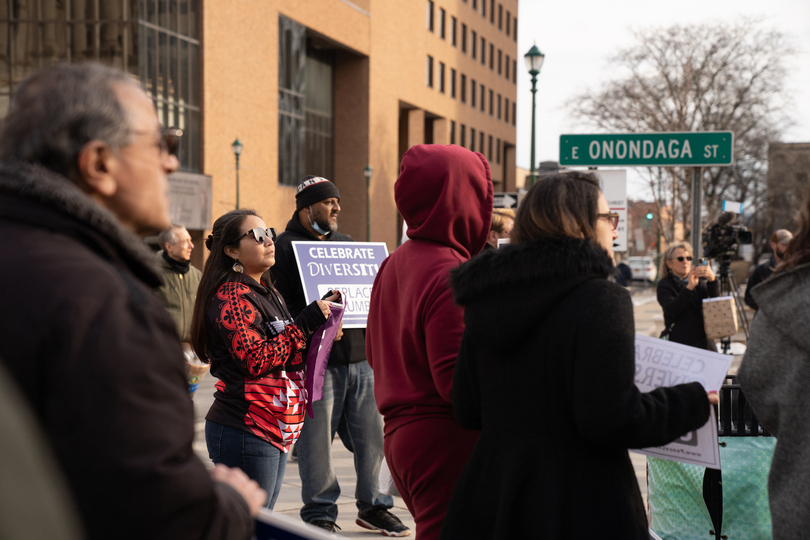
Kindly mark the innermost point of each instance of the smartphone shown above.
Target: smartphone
(703, 261)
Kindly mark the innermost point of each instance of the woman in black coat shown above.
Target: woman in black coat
(681, 291)
(545, 371)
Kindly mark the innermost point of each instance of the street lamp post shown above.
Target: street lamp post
(237, 149)
(534, 59)
(367, 173)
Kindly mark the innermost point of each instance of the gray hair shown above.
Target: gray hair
(168, 235)
(57, 110)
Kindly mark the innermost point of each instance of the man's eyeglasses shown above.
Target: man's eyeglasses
(169, 139)
(681, 259)
(613, 218)
(260, 235)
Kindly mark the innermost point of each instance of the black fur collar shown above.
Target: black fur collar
(531, 262)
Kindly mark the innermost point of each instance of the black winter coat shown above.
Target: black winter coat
(98, 358)
(545, 371)
(683, 311)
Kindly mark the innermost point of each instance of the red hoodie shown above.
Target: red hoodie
(444, 193)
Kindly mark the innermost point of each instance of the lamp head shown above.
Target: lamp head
(534, 59)
(367, 172)
(236, 147)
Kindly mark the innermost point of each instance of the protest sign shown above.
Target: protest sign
(349, 267)
(663, 363)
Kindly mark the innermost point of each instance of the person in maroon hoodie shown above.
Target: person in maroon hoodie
(445, 194)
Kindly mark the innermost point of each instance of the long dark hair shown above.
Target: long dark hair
(218, 268)
(798, 250)
(564, 204)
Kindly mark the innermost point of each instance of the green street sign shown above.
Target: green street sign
(664, 149)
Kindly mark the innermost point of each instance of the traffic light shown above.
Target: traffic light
(649, 215)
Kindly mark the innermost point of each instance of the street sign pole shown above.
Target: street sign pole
(697, 204)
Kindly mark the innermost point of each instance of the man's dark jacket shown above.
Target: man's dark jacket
(351, 348)
(98, 358)
(760, 274)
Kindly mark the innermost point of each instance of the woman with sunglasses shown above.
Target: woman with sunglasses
(545, 371)
(241, 325)
(681, 290)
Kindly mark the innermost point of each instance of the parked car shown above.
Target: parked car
(643, 268)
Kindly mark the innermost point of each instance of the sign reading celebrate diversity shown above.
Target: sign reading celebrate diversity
(349, 267)
(673, 149)
(663, 363)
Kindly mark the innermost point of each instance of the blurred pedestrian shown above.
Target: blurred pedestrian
(775, 380)
(681, 290)
(624, 275)
(83, 176)
(503, 219)
(444, 194)
(347, 407)
(779, 245)
(242, 326)
(180, 278)
(545, 371)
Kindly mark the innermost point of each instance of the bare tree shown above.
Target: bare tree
(724, 77)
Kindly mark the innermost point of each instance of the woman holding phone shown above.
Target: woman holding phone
(242, 326)
(681, 290)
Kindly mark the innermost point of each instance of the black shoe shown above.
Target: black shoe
(380, 519)
(330, 526)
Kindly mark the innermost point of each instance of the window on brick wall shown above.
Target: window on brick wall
(489, 147)
(491, 102)
(441, 77)
(453, 24)
(452, 132)
(442, 20)
(500, 16)
(500, 62)
(492, 11)
(453, 83)
(481, 142)
(508, 23)
(430, 15)
(506, 110)
(508, 64)
(473, 90)
(462, 135)
(499, 106)
(483, 98)
(498, 151)
(473, 43)
(430, 71)
(463, 88)
(463, 38)
(483, 51)
(472, 139)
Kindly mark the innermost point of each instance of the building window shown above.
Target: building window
(430, 71)
(453, 24)
(462, 135)
(430, 15)
(491, 56)
(442, 17)
(498, 151)
(499, 106)
(508, 63)
(484, 8)
(481, 142)
(491, 101)
(291, 99)
(492, 11)
(319, 113)
(473, 89)
(472, 139)
(473, 43)
(463, 38)
(475, 5)
(483, 51)
(489, 147)
(514, 71)
(452, 132)
(514, 29)
(463, 88)
(500, 16)
(508, 23)
(506, 110)
(500, 59)
(514, 113)
(441, 77)
(453, 83)
(483, 98)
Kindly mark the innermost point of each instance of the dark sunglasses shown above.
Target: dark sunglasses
(613, 218)
(260, 235)
(681, 259)
(169, 139)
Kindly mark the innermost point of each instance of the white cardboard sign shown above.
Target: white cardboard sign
(663, 363)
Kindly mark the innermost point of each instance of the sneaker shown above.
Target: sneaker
(380, 519)
(330, 526)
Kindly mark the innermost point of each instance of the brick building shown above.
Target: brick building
(323, 87)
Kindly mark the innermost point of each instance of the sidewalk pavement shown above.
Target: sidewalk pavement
(649, 321)
(289, 500)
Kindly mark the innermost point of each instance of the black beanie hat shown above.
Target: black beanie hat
(314, 189)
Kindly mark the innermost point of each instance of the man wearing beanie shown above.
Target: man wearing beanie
(348, 405)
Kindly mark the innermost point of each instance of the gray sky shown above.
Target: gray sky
(578, 37)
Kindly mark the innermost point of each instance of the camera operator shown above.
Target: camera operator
(681, 292)
(779, 244)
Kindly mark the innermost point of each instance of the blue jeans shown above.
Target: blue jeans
(348, 408)
(260, 460)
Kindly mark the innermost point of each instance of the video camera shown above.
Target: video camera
(725, 236)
